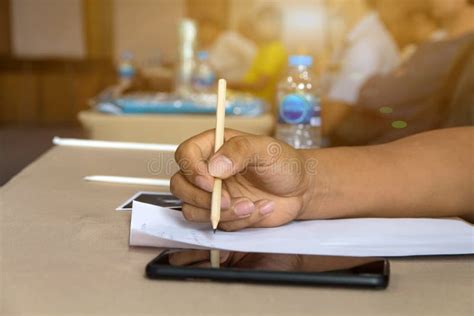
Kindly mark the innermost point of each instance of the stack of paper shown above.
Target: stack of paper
(161, 227)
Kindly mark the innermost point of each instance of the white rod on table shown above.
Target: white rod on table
(111, 144)
(128, 180)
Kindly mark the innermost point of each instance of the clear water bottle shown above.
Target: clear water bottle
(126, 68)
(187, 32)
(203, 76)
(125, 73)
(299, 111)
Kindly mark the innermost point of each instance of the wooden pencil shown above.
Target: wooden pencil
(219, 141)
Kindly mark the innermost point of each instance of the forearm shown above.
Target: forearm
(426, 175)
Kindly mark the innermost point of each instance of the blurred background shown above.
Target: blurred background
(145, 70)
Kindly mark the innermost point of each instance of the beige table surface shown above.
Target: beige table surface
(148, 128)
(64, 251)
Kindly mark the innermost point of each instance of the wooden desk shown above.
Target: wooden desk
(64, 250)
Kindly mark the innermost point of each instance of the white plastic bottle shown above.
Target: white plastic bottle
(125, 74)
(203, 75)
(126, 68)
(299, 111)
(187, 32)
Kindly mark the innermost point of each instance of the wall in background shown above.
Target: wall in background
(217, 10)
(47, 28)
(68, 28)
(148, 28)
(98, 20)
(4, 27)
(49, 92)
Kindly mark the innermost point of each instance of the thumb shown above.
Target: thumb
(240, 151)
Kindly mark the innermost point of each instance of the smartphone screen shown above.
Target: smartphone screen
(271, 268)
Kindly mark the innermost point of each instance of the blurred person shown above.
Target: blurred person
(456, 16)
(432, 89)
(270, 60)
(231, 53)
(427, 29)
(423, 26)
(409, 22)
(368, 49)
(268, 183)
(377, 41)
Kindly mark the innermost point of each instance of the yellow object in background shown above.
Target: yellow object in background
(269, 62)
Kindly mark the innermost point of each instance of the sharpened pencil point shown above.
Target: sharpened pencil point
(215, 231)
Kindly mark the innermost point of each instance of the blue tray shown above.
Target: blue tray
(161, 103)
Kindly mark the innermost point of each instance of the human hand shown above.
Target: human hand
(265, 181)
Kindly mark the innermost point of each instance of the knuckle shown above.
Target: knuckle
(228, 216)
(179, 152)
(237, 224)
(180, 155)
(242, 143)
(174, 184)
(228, 226)
(195, 199)
(187, 212)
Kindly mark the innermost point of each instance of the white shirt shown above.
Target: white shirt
(231, 55)
(369, 50)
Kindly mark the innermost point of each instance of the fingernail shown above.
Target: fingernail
(244, 208)
(267, 207)
(203, 183)
(220, 166)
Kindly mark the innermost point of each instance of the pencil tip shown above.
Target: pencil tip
(215, 231)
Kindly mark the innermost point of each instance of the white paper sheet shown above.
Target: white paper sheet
(160, 227)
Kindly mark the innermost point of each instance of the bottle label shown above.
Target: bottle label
(203, 80)
(300, 109)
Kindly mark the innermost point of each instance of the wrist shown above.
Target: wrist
(315, 184)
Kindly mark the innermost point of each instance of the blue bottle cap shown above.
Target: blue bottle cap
(202, 55)
(300, 60)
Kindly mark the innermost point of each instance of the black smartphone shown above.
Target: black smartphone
(271, 268)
